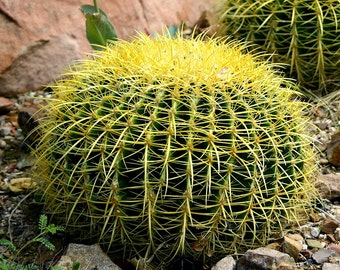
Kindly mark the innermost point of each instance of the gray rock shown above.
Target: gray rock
(322, 255)
(265, 259)
(89, 257)
(227, 263)
(5, 131)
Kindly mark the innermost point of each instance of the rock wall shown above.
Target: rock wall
(41, 38)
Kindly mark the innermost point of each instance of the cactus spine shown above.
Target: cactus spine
(176, 147)
(303, 34)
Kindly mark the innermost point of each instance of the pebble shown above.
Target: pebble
(5, 131)
(2, 144)
(337, 234)
(227, 263)
(309, 232)
(329, 226)
(312, 243)
(330, 266)
(5, 105)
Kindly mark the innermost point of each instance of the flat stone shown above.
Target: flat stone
(227, 263)
(314, 243)
(89, 257)
(264, 258)
(323, 254)
(22, 184)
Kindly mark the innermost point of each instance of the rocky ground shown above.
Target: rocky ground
(315, 245)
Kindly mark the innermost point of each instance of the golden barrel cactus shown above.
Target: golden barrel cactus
(303, 34)
(175, 147)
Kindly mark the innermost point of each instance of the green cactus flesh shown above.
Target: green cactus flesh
(303, 34)
(177, 146)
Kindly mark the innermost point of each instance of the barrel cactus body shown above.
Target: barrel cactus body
(169, 147)
(305, 34)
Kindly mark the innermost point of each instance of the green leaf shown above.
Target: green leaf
(42, 222)
(75, 266)
(45, 242)
(99, 30)
(7, 243)
(54, 229)
(173, 30)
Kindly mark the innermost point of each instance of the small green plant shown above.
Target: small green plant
(99, 29)
(6, 243)
(45, 229)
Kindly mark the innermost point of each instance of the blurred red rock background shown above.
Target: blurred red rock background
(39, 39)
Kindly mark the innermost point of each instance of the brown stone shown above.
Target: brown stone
(291, 247)
(40, 38)
(333, 149)
(38, 65)
(5, 105)
(329, 226)
(307, 253)
(334, 247)
(329, 186)
(331, 237)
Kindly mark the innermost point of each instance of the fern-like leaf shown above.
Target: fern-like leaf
(7, 243)
(42, 222)
(45, 242)
(53, 229)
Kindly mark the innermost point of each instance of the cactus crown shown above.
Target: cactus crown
(305, 34)
(171, 146)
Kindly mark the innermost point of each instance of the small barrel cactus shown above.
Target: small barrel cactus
(171, 146)
(305, 34)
